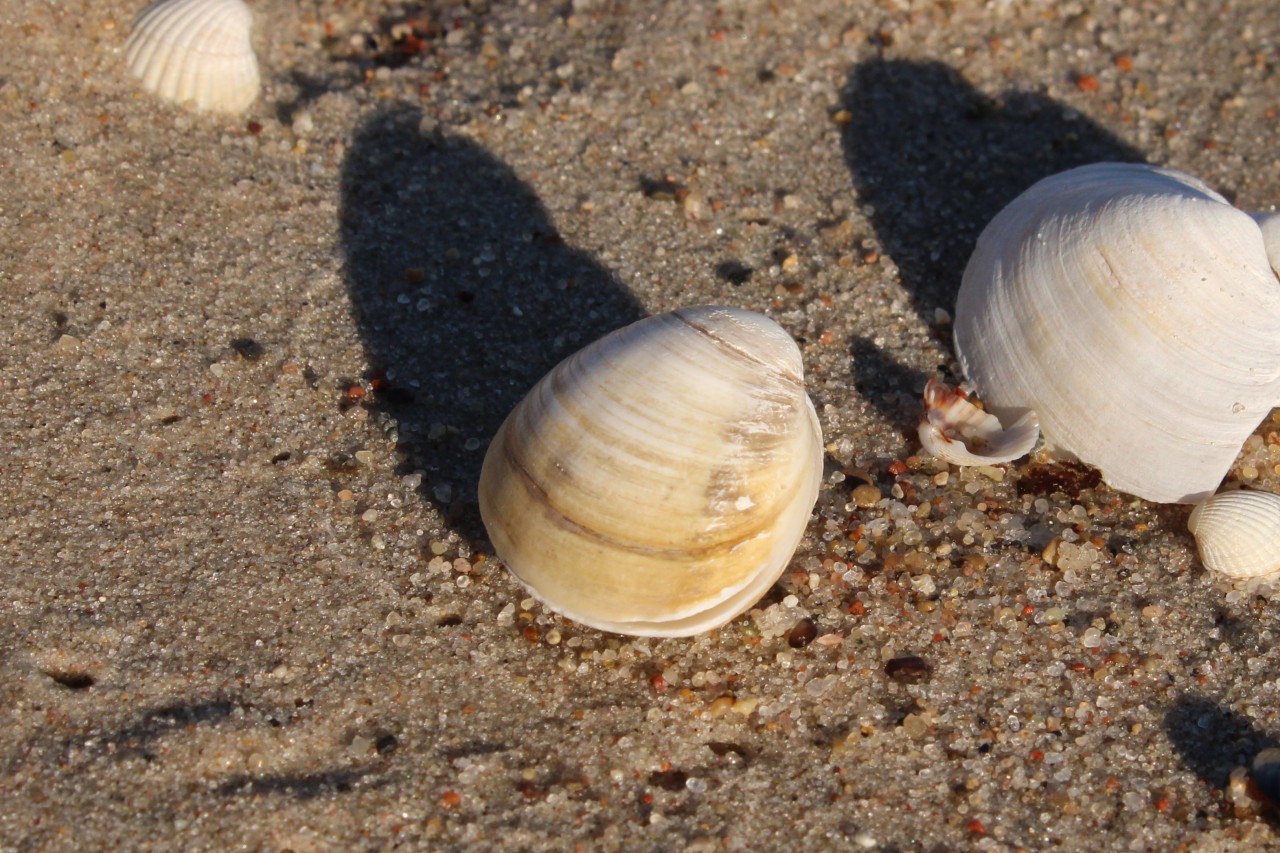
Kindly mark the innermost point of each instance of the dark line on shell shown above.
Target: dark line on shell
(746, 355)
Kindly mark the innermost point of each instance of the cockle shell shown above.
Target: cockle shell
(1238, 533)
(197, 51)
(1135, 312)
(956, 431)
(657, 482)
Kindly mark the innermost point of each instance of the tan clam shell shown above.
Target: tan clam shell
(1238, 533)
(1135, 312)
(196, 51)
(657, 482)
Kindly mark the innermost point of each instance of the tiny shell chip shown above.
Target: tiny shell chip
(197, 51)
(956, 431)
(1238, 533)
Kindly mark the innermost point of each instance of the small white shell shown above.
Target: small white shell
(657, 482)
(197, 51)
(1136, 312)
(1238, 533)
(956, 431)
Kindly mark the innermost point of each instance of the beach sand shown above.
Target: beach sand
(251, 365)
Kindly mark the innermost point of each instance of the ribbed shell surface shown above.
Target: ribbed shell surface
(1135, 311)
(1238, 533)
(197, 51)
(657, 482)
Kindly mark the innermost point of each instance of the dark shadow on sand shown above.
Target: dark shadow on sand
(937, 160)
(1212, 740)
(464, 292)
(301, 786)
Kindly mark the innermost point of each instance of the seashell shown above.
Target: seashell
(956, 431)
(657, 482)
(1265, 772)
(1269, 224)
(195, 50)
(1136, 312)
(1238, 533)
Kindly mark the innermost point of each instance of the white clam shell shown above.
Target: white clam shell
(657, 482)
(196, 51)
(956, 431)
(1238, 533)
(1135, 311)
(1269, 224)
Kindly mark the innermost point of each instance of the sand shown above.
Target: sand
(251, 365)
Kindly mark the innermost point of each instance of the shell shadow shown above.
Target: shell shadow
(894, 389)
(464, 292)
(936, 160)
(1212, 740)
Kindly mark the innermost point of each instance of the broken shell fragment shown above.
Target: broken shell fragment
(956, 431)
(657, 482)
(1136, 313)
(196, 51)
(1238, 533)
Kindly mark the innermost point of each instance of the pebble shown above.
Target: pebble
(915, 725)
(865, 495)
(819, 687)
(802, 633)
(909, 669)
(66, 344)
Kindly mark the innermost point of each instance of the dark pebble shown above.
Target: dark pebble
(72, 679)
(908, 669)
(386, 744)
(248, 348)
(802, 633)
(732, 752)
(668, 780)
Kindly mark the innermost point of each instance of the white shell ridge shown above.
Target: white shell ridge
(1238, 533)
(197, 51)
(1136, 312)
(956, 431)
(657, 482)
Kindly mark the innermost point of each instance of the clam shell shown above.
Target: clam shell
(1238, 533)
(956, 431)
(1135, 311)
(657, 482)
(1269, 224)
(197, 51)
